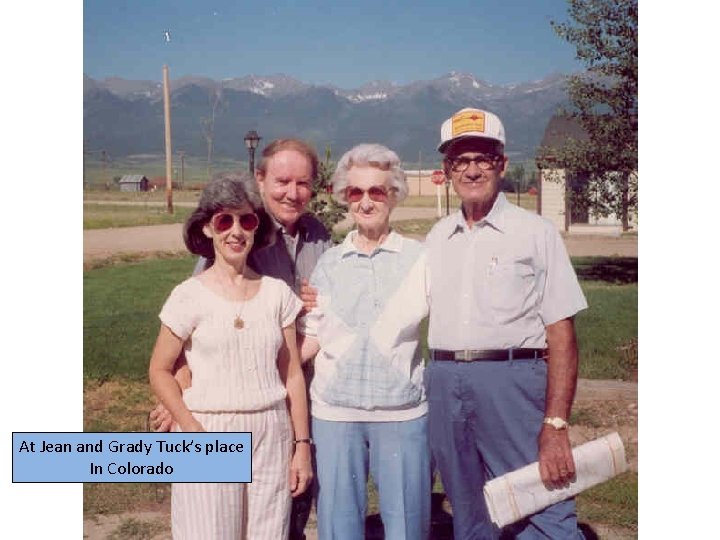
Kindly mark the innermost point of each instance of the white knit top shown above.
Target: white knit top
(232, 369)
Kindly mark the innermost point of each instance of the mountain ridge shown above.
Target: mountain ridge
(126, 116)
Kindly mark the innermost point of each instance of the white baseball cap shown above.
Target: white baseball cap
(471, 123)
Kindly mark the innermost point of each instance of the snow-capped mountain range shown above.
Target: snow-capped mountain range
(125, 116)
(272, 86)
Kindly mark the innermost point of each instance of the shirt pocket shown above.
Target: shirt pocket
(511, 291)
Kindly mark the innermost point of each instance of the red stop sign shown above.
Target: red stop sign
(438, 177)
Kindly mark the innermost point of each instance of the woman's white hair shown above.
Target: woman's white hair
(369, 155)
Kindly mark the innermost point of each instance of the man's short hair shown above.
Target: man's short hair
(298, 145)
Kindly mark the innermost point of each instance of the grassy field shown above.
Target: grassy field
(527, 201)
(121, 302)
(98, 174)
(103, 216)
(615, 501)
(157, 197)
(191, 195)
(129, 296)
(149, 208)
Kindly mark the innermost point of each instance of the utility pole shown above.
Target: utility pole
(419, 172)
(168, 140)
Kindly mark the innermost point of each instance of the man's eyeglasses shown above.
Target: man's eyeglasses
(376, 193)
(484, 162)
(224, 221)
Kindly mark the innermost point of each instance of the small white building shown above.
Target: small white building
(555, 185)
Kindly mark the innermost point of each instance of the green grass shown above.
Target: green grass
(104, 216)
(120, 323)
(613, 502)
(527, 201)
(609, 323)
(157, 197)
(121, 303)
(430, 201)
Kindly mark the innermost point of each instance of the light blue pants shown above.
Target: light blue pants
(397, 456)
(484, 419)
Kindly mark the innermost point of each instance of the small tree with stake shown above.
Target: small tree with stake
(325, 208)
(516, 176)
(605, 102)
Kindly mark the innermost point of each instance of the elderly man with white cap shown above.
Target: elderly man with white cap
(503, 351)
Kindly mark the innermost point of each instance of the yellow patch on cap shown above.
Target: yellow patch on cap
(466, 121)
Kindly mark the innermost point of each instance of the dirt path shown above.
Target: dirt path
(103, 243)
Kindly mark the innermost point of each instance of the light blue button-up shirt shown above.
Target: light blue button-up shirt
(499, 283)
(369, 309)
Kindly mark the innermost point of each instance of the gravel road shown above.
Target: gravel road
(102, 243)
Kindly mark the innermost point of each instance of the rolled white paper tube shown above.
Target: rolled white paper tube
(520, 493)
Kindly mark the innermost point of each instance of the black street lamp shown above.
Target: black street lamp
(252, 139)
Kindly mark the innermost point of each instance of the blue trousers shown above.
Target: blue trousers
(484, 420)
(397, 456)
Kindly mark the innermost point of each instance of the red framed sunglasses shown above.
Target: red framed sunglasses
(376, 193)
(224, 221)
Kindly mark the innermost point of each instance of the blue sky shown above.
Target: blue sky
(324, 41)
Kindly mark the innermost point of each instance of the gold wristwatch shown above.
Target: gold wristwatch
(556, 422)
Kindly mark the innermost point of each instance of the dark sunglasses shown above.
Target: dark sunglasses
(376, 193)
(224, 221)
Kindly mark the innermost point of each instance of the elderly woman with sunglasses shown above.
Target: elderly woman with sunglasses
(237, 329)
(367, 399)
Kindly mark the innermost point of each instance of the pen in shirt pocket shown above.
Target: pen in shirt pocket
(493, 263)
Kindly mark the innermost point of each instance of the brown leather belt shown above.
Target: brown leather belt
(489, 355)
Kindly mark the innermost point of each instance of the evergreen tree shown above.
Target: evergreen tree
(322, 204)
(605, 102)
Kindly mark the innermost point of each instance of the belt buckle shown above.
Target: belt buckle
(466, 355)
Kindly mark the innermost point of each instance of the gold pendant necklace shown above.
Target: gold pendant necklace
(239, 323)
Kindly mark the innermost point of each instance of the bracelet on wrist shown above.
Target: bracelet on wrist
(306, 441)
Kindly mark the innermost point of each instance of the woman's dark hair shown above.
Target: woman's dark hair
(226, 191)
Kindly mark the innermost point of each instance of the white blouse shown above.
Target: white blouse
(232, 369)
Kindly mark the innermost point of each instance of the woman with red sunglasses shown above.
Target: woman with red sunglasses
(245, 365)
(368, 403)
